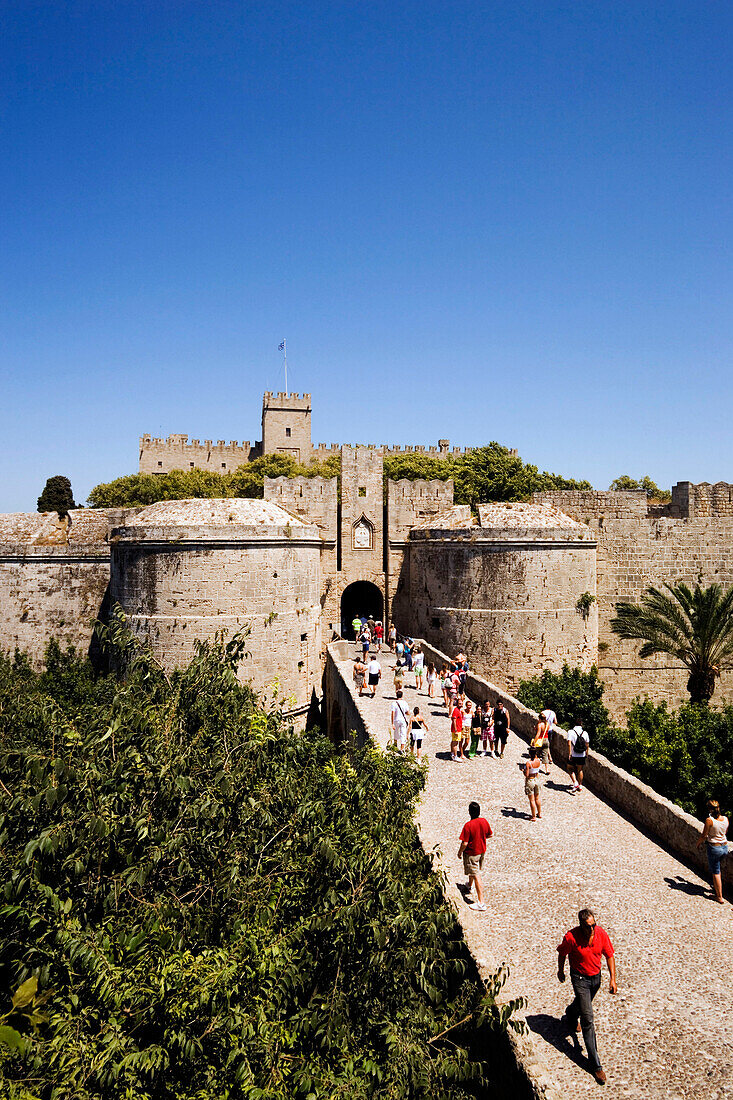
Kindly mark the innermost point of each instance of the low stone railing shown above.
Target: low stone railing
(662, 819)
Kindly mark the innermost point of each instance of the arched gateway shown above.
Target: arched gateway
(360, 598)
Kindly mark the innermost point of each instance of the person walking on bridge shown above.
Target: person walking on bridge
(585, 947)
(501, 727)
(472, 850)
(714, 837)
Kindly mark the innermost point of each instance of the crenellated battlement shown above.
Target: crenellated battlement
(286, 400)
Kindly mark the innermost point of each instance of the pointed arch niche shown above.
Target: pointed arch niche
(362, 534)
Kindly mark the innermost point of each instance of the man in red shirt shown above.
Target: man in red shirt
(456, 727)
(585, 946)
(473, 847)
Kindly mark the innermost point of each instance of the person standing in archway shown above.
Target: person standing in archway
(356, 626)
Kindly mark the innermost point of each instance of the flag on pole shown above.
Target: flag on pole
(281, 347)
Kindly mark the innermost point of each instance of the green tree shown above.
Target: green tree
(57, 496)
(218, 905)
(575, 696)
(138, 490)
(630, 484)
(496, 473)
(415, 466)
(693, 625)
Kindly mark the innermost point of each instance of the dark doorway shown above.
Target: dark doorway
(360, 598)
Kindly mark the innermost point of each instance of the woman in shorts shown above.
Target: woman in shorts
(541, 742)
(418, 667)
(359, 674)
(714, 838)
(418, 726)
(532, 783)
(431, 676)
(399, 676)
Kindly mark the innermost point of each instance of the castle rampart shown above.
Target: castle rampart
(638, 547)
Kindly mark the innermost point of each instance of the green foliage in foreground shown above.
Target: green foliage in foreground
(686, 755)
(137, 490)
(214, 906)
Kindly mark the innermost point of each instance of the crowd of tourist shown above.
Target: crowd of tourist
(483, 728)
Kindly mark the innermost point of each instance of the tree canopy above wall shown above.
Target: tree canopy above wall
(487, 473)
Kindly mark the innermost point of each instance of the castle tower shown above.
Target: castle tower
(286, 425)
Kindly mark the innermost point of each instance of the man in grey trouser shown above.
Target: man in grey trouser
(585, 947)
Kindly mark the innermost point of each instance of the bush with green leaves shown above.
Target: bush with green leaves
(685, 755)
(57, 496)
(138, 490)
(214, 906)
(575, 696)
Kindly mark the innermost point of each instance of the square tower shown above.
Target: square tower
(286, 425)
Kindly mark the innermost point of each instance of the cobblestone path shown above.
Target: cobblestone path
(668, 1033)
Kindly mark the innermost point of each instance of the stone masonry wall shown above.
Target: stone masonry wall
(179, 586)
(54, 577)
(511, 605)
(635, 552)
(408, 503)
(160, 456)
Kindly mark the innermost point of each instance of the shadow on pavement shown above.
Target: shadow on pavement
(550, 1028)
(510, 811)
(553, 786)
(693, 888)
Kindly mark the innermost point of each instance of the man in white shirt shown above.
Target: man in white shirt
(374, 671)
(579, 743)
(398, 722)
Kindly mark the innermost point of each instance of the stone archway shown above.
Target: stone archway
(360, 598)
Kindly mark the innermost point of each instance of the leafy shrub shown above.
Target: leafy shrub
(217, 906)
(685, 755)
(574, 695)
(138, 490)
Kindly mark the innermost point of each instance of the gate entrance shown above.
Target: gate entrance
(361, 598)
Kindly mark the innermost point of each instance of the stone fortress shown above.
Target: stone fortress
(522, 588)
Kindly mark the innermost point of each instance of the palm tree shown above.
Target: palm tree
(695, 626)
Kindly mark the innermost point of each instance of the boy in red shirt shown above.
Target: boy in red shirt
(585, 946)
(472, 849)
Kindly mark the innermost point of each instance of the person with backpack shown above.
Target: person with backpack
(579, 745)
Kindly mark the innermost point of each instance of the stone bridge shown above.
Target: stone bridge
(618, 848)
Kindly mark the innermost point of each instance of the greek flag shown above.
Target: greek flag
(281, 347)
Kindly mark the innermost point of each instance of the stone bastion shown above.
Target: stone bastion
(187, 569)
(512, 591)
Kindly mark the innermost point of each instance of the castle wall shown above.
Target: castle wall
(54, 576)
(408, 503)
(179, 584)
(286, 425)
(313, 500)
(160, 456)
(635, 552)
(510, 603)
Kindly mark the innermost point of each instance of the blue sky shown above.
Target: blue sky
(482, 221)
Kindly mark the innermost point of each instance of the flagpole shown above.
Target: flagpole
(284, 350)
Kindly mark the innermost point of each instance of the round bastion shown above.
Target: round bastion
(512, 590)
(184, 570)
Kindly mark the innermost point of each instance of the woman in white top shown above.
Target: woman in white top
(713, 836)
(532, 783)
